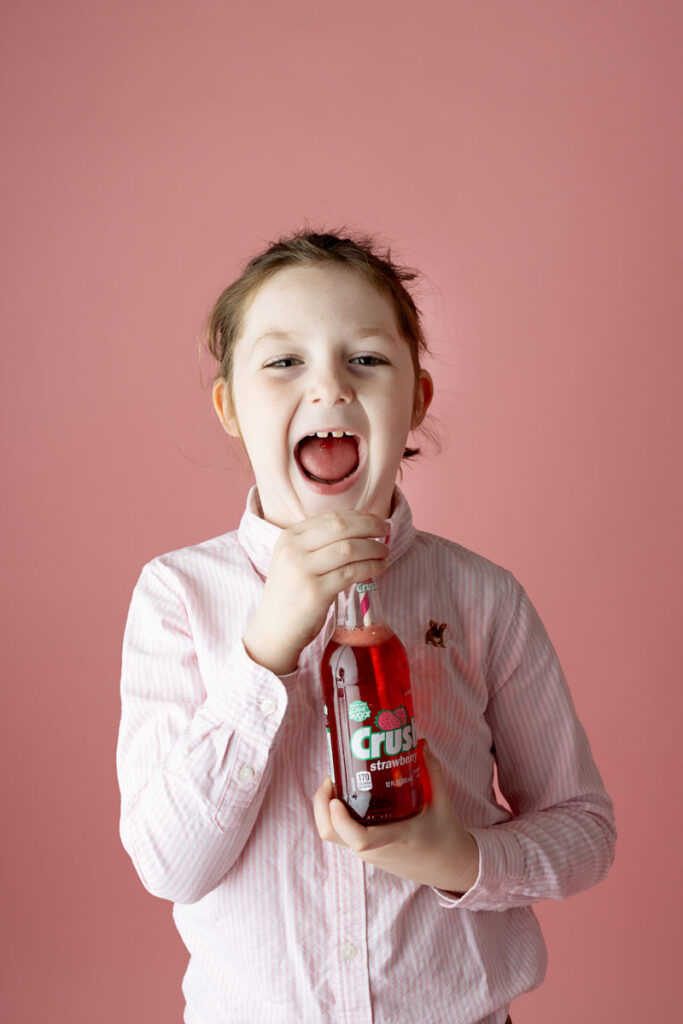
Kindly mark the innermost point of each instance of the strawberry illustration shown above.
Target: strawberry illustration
(388, 720)
(402, 714)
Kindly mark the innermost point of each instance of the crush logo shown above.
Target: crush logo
(394, 735)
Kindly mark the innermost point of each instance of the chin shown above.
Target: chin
(361, 495)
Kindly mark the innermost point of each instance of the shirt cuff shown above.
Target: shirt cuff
(248, 686)
(501, 868)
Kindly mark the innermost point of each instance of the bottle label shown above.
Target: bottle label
(363, 588)
(393, 736)
(359, 710)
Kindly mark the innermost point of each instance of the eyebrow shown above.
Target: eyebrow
(362, 332)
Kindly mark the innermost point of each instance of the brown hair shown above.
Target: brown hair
(306, 248)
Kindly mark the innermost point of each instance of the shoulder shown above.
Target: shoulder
(490, 608)
(183, 568)
(458, 563)
(482, 596)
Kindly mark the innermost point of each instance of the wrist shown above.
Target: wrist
(467, 871)
(279, 660)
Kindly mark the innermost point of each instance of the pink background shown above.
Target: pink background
(527, 157)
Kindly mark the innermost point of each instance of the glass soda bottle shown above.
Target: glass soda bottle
(377, 765)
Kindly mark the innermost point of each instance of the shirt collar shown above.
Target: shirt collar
(258, 537)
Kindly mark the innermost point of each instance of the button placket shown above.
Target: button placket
(348, 893)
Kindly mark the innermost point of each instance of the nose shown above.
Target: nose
(330, 385)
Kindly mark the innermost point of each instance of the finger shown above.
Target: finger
(321, 530)
(347, 552)
(436, 791)
(431, 760)
(332, 583)
(321, 813)
(435, 784)
(350, 831)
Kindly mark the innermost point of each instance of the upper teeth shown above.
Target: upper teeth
(332, 433)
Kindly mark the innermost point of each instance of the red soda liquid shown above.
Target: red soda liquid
(377, 765)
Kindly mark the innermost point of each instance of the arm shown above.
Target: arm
(194, 766)
(188, 802)
(561, 838)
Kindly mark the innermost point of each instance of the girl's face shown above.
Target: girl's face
(320, 351)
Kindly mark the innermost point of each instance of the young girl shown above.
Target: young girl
(291, 910)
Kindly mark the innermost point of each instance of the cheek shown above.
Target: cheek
(396, 418)
(401, 410)
(264, 427)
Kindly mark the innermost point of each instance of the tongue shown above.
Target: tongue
(328, 458)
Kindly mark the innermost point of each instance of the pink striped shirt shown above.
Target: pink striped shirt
(218, 761)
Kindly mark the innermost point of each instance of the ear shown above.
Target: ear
(223, 406)
(424, 393)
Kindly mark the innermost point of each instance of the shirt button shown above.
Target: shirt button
(246, 773)
(349, 951)
(268, 707)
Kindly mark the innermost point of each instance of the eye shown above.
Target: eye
(370, 360)
(284, 362)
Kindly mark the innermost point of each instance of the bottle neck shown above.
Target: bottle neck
(362, 607)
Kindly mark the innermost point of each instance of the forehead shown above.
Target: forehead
(299, 298)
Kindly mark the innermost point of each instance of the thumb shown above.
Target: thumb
(436, 781)
(431, 760)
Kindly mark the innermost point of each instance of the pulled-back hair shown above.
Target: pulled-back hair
(309, 248)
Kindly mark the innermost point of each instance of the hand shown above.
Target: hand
(432, 848)
(312, 562)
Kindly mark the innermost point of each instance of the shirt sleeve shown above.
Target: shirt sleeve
(562, 836)
(192, 768)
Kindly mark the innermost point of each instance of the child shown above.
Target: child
(291, 910)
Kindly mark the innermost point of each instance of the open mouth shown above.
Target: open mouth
(328, 457)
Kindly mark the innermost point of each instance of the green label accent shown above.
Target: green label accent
(359, 711)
